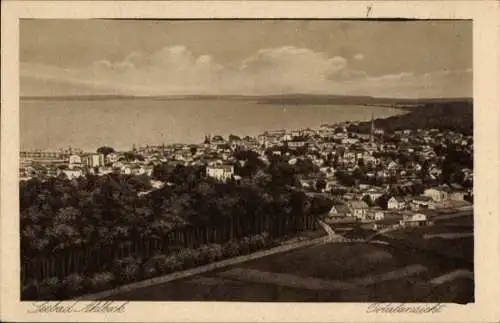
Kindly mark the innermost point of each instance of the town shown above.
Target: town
(374, 177)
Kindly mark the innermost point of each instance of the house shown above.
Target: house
(126, 169)
(330, 185)
(339, 210)
(72, 173)
(387, 222)
(416, 219)
(392, 165)
(296, 144)
(111, 158)
(148, 170)
(327, 170)
(358, 208)
(157, 184)
(92, 160)
(74, 161)
(339, 223)
(422, 202)
(396, 203)
(105, 170)
(306, 183)
(456, 195)
(438, 194)
(374, 194)
(455, 204)
(375, 214)
(220, 172)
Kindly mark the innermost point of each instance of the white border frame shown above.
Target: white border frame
(486, 71)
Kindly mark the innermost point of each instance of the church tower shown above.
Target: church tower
(372, 131)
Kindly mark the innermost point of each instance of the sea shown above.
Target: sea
(48, 124)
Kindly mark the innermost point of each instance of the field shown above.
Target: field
(353, 272)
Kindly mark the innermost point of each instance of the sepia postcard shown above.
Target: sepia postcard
(319, 161)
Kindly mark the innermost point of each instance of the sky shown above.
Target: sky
(252, 57)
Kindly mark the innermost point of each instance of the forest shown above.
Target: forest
(453, 115)
(84, 228)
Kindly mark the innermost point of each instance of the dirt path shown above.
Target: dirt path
(201, 269)
(460, 273)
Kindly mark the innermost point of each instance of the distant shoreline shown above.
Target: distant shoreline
(286, 99)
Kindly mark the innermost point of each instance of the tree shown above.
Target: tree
(367, 199)
(320, 184)
(131, 156)
(382, 201)
(306, 166)
(105, 150)
(217, 138)
(234, 138)
(345, 178)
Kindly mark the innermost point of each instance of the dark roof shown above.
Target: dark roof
(422, 198)
(346, 219)
(357, 204)
(428, 213)
(389, 220)
(457, 186)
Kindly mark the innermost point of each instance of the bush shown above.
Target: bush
(231, 249)
(151, 267)
(215, 252)
(257, 242)
(100, 281)
(189, 257)
(244, 245)
(169, 264)
(127, 269)
(72, 285)
(48, 289)
(29, 290)
(210, 253)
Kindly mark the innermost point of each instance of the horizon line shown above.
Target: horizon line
(166, 96)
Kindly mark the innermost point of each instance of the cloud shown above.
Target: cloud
(290, 69)
(359, 57)
(177, 70)
(443, 83)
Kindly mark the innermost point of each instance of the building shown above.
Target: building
(75, 161)
(388, 222)
(375, 214)
(339, 210)
(455, 204)
(72, 173)
(220, 172)
(416, 219)
(437, 194)
(374, 194)
(93, 160)
(396, 203)
(112, 158)
(457, 196)
(358, 208)
(43, 157)
(422, 202)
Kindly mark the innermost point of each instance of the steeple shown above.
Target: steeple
(208, 139)
(372, 129)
